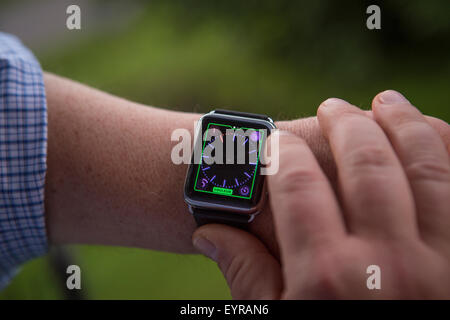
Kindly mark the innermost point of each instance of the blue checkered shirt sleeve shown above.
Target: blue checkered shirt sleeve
(23, 144)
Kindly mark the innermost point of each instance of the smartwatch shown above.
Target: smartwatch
(224, 183)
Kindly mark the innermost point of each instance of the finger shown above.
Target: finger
(250, 270)
(374, 188)
(439, 125)
(443, 129)
(305, 210)
(424, 158)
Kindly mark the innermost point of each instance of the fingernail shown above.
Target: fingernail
(205, 247)
(333, 102)
(391, 97)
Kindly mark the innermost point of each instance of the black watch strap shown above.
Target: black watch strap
(205, 216)
(243, 114)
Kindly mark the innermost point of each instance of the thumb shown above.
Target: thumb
(250, 270)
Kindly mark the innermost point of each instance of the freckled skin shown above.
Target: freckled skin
(110, 179)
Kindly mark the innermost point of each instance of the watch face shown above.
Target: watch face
(225, 168)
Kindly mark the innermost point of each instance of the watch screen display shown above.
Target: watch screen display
(231, 171)
(226, 163)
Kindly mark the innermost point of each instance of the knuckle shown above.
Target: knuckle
(236, 270)
(297, 179)
(415, 130)
(326, 276)
(350, 117)
(428, 168)
(240, 274)
(323, 280)
(401, 113)
(326, 285)
(368, 158)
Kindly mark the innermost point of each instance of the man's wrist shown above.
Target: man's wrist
(309, 130)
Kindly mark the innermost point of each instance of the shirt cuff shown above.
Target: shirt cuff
(23, 150)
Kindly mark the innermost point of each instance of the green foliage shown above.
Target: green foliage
(274, 58)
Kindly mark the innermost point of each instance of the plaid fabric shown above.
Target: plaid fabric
(23, 144)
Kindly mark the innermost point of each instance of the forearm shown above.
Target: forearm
(110, 177)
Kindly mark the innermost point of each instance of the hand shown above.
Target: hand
(392, 211)
(309, 130)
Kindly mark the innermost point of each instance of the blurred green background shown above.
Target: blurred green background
(281, 58)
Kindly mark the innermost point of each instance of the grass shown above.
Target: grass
(124, 273)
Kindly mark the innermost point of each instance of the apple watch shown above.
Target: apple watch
(224, 183)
